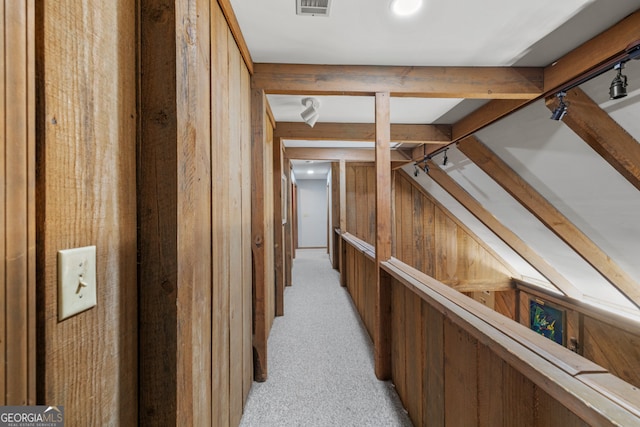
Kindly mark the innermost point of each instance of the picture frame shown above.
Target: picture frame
(547, 320)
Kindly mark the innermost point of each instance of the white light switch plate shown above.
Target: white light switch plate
(76, 281)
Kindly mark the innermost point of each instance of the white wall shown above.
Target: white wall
(312, 213)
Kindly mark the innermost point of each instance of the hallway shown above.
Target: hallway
(321, 359)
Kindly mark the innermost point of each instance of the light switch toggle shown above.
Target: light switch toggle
(76, 281)
(80, 286)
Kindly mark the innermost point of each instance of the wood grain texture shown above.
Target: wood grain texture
(437, 82)
(337, 154)
(460, 375)
(288, 228)
(413, 355)
(17, 196)
(429, 238)
(220, 218)
(433, 377)
(236, 267)
(491, 408)
(86, 196)
(258, 239)
(427, 134)
(398, 340)
(194, 217)
(234, 27)
(551, 413)
(278, 227)
(616, 350)
(262, 231)
(525, 367)
(3, 213)
(335, 215)
(245, 236)
(382, 334)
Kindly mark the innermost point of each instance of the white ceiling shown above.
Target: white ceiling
(479, 33)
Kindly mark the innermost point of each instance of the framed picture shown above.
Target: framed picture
(547, 320)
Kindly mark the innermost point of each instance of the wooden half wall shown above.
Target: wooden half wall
(425, 236)
(455, 362)
(606, 338)
(17, 198)
(194, 216)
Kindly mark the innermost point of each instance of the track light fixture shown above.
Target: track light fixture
(618, 88)
(561, 109)
(427, 157)
(310, 115)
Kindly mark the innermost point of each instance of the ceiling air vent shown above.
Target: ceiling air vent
(313, 7)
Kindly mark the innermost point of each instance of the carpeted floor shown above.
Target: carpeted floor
(321, 360)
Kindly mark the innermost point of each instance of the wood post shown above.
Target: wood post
(278, 227)
(382, 330)
(258, 114)
(343, 221)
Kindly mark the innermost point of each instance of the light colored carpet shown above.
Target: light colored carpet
(320, 359)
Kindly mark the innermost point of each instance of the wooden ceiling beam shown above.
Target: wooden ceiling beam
(428, 134)
(602, 50)
(500, 230)
(419, 153)
(602, 133)
(484, 116)
(553, 219)
(431, 82)
(337, 154)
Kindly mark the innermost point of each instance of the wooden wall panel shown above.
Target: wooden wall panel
(398, 341)
(17, 198)
(86, 170)
(360, 283)
(449, 369)
(464, 381)
(414, 356)
(262, 230)
(194, 217)
(614, 349)
(269, 232)
(236, 285)
(600, 338)
(429, 238)
(220, 219)
(460, 376)
(518, 392)
(361, 198)
(433, 376)
(505, 303)
(491, 410)
(245, 235)
(548, 412)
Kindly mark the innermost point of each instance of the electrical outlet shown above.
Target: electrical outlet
(76, 281)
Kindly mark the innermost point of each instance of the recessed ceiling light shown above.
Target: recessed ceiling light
(310, 172)
(405, 7)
